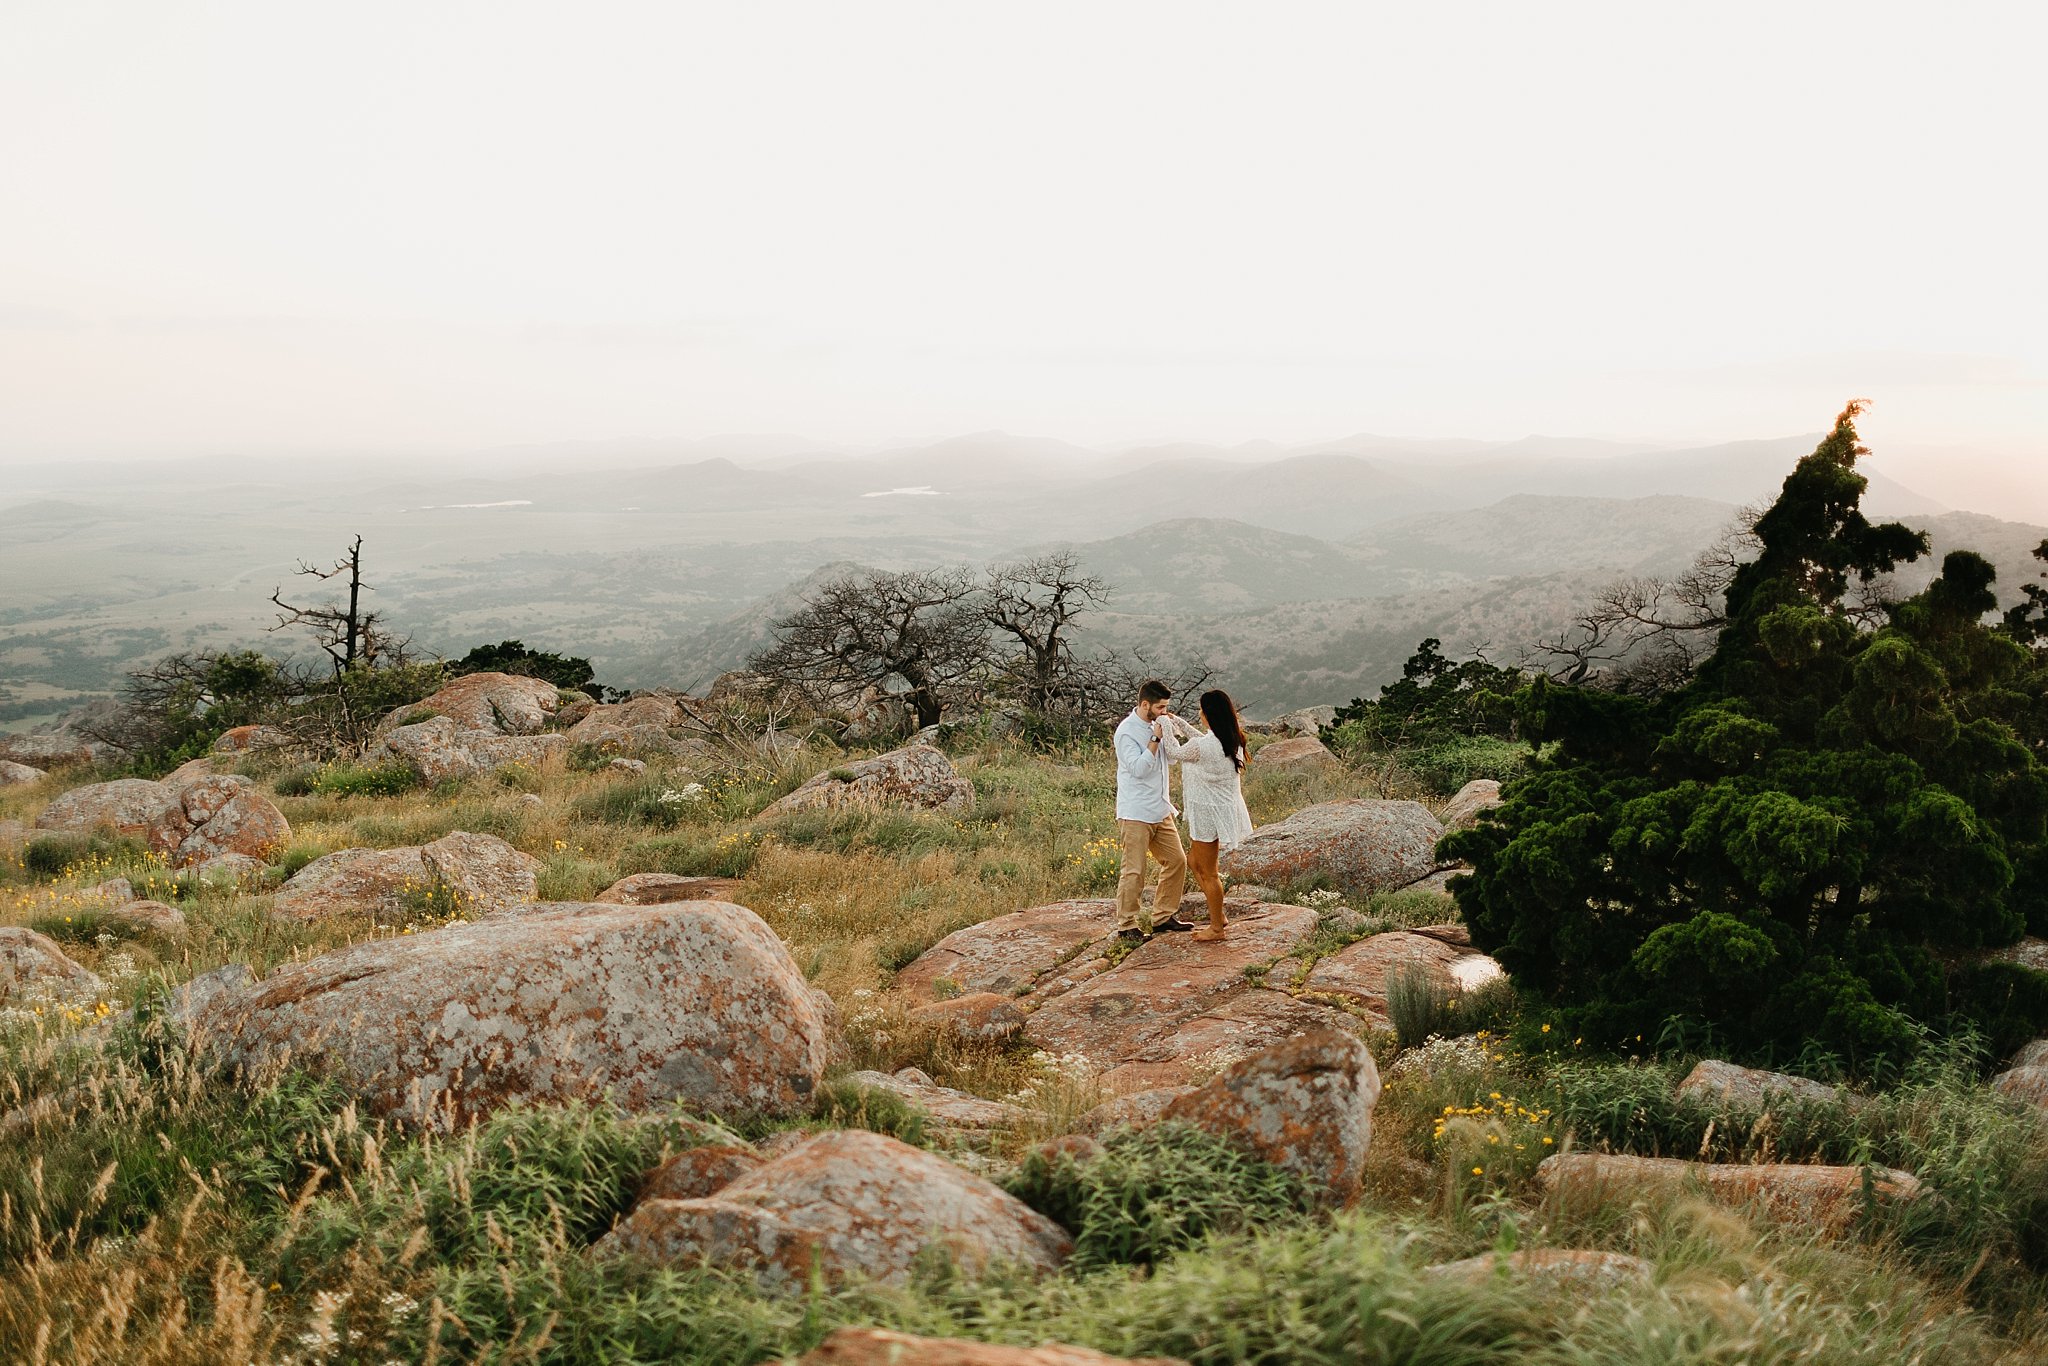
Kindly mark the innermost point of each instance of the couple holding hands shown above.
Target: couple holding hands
(1148, 742)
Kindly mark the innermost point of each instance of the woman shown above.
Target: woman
(1210, 795)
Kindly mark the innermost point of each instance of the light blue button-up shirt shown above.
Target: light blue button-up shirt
(1142, 791)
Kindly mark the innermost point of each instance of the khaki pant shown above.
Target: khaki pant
(1162, 842)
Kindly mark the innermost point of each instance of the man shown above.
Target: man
(1144, 818)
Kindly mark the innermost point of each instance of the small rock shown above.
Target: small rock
(623, 765)
(493, 703)
(149, 917)
(1305, 1106)
(658, 889)
(1827, 1198)
(845, 1203)
(481, 873)
(1481, 794)
(1748, 1086)
(251, 739)
(1301, 754)
(1572, 1267)
(1138, 1110)
(881, 1347)
(917, 777)
(695, 1173)
(984, 1017)
(113, 892)
(947, 1107)
(1309, 721)
(219, 816)
(13, 774)
(530, 801)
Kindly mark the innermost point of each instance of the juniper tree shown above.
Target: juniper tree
(1803, 843)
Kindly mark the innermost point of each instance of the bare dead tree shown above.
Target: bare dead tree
(922, 628)
(349, 635)
(1034, 603)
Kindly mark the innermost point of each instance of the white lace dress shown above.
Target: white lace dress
(1210, 796)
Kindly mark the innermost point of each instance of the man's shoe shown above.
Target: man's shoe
(1175, 924)
(1131, 934)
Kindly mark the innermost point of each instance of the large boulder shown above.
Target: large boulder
(849, 1204)
(61, 750)
(916, 777)
(148, 918)
(695, 1173)
(647, 1005)
(1481, 794)
(215, 819)
(33, 968)
(439, 749)
(1308, 721)
(1007, 955)
(1304, 1105)
(1824, 1198)
(1362, 844)
(2027, 1084)
(476, 874)
(1302, 754)
(495, 704)
(15, 775)
(126, 806)
(653, 723)
(1358, 972)
(881, 1347)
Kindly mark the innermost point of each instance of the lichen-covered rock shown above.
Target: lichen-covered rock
(697, 1002)
(695, 1173)
(149, 917)
(1308, 721)
(2028, 1083)
(1748, 1086)
(112, 892)
(477, 874)
(1358, 972)
(881, 1347)
(1825, 1198)
(1009, 953)
(217, 817)
(1301, 753)
(439, 749)
(1574, 1268)
(656, 723)
(1481, 794)
(251, 740)
(1305, 1105)
(126, 806)
(498, 704)
(2033, 1054)
(46, 752)
(1364, 845)
(33, 968)
(983, 1017)
(481, 874)
(16, 775)
(916, 777)
(852, 1203)
(658, 889)
(1137, 1110)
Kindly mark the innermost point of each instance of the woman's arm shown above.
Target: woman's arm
(1187, 751)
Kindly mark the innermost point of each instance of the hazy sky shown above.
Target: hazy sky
(273, 226)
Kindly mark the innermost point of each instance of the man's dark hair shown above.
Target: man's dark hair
(1152, 690)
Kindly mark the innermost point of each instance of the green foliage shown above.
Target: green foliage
(1420, 1003)
(351, 780)
(689, 855)
(513, 657)
(1791, 849)
(1436, 700)
(1154, 1191)
(849, 1105)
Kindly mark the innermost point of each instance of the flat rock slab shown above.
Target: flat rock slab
(658, 889)
(1571, 1268)
(1828, 1198)
(950, 1108)
(1361, 844)
(480, 874)
(848, 1204)
(646, 1005)
(880, 1347)
(1358, 972)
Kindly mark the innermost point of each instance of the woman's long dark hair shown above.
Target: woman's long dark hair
(1221, 714)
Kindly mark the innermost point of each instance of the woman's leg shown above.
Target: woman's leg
(1202, 856)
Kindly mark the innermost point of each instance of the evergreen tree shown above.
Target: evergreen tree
(1799, 846)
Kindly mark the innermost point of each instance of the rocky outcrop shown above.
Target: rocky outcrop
(475, 874)
(1304, 1105)
(916, 777)
(1358, 972)
(489, 703)
(148, 918)
(647, 1005)
(439, 749)
(47, 752)
(654, 723)
(960, 1111)
(1826, 1198)
(1363, 845)
(881, 1347)
(1135, 1110)
(1308, 721)
(2028, 1084)
(16, 775)
(1749, 1087)
(1481, 794)
(252, 740)
(214, 820)
(658, 889)
(850, 1204)
(1571, 1268)
(34, 968)
(1302, 754)
(984, 1017)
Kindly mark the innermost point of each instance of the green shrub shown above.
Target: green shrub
(51, 856)
(1493, 1006)
(1447, 765)
(350, 780)
(1154, 1191)
(301, 780)
(695, 855)
(849, 1105)
(81, 926)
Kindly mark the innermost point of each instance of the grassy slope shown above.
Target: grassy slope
(174, 1219)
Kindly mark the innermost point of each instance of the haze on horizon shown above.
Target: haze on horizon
(389, 228)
